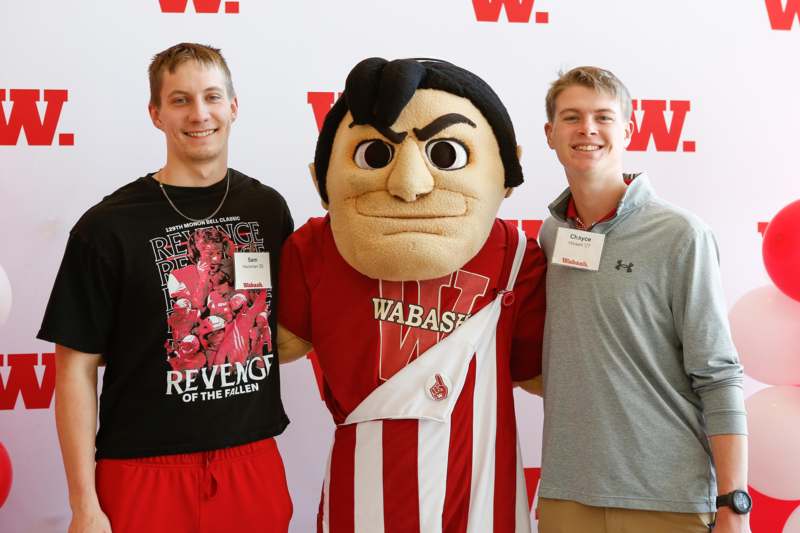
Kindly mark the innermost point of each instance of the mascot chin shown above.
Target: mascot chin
(422, 307)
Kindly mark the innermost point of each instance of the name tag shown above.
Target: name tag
(251, 270)
(578, 249)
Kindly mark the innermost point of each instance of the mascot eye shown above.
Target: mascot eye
(447, 154)
(373, 154)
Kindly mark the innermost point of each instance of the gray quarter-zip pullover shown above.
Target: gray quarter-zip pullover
(639, 365)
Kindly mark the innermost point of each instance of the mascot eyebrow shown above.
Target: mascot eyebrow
(441, 123)
(425, 133)
(396, 137)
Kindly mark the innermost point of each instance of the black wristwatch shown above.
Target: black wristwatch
(738, 500)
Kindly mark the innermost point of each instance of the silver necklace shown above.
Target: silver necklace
(227, 188)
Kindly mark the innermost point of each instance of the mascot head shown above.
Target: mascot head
(412, 163)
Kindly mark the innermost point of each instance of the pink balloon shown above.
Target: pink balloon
(781, 250)
(765, 325)
(6, 474)
(773, 417)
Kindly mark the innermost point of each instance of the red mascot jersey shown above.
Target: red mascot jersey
(426, 437)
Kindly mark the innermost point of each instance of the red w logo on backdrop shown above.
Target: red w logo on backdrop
(653, 125)
(516, 11)
(321, 103)
(20, 376)
(200, 6)
(780, 17)
(24, 115)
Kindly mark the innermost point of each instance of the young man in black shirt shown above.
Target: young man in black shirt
(169, 282)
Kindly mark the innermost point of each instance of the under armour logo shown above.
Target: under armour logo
(621, 265)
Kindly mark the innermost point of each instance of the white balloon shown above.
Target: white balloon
(793, 524)
(5, 296)
(773, 416)
(765, 325)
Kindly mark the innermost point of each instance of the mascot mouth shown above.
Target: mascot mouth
(437, 204)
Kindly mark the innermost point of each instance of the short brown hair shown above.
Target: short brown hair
(174, 56)
(593, 78)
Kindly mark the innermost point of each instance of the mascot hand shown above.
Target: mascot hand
(534, 386)
(290, 346)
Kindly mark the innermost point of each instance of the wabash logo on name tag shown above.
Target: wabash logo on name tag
(251, 270)
(650, 122)
(578, 249)
(200, 6)
(23, 115)
(516, 11)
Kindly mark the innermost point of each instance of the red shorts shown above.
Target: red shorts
(240, 489)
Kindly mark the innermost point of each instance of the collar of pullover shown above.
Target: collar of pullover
(638, 193)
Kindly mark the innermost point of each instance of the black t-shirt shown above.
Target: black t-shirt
(190, 358)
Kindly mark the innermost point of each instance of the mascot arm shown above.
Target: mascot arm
(290, 346)
(534, 386)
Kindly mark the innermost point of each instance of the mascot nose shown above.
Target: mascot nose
(410, 177)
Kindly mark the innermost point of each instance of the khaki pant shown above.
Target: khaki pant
(563, 516)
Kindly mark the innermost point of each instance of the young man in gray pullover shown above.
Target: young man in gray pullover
(644, 415)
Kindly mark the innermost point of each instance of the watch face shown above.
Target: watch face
(741, 501)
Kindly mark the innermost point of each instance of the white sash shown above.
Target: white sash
(405, 396)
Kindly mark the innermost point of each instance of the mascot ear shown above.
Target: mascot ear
(313, 173)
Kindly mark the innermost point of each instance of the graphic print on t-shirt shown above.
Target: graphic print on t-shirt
(219, 342)
(415, 315)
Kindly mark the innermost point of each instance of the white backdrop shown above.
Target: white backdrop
(730, 60)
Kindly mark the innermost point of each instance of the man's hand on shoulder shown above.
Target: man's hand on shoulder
(92, 520)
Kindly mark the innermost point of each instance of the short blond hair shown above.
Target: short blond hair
(599, 79)
(174, 56)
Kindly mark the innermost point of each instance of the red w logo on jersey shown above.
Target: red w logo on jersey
(516, 11)
(200, 6)
(653, 125)
(20, 378)
(24, 115)
(413, 315)
(782, 18)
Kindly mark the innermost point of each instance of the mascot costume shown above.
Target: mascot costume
(423, 308)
